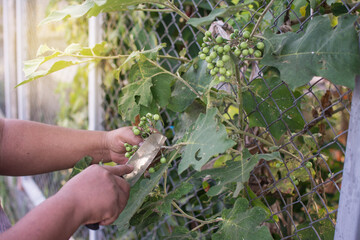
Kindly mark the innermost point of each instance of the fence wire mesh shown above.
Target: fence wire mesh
(297, 207)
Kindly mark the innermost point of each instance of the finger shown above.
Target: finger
(124, 187)
(119, 170)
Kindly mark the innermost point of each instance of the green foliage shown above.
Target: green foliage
(240, 222)
(334, 55)
(203, 140)
(80, 165)
(183, 189)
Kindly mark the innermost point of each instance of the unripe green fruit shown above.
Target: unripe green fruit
(228, 73)
(208, 33)
(136, 131)
(222, 79)
(260, 45)
(245, 52)
(163, 160)
(128, 149)
(127, 155)
(257, 54)
(208, 59)
(278, 165)
(236, 31)
(309, 164)
(151, 170)
(216, 47)
(149, 115)
(296, 182)
(216, 69)
(225, 58)
(202, 56)
(237, 52)
(227, 48)
(220, 50)
(242, 45)
(156, 117)
(212, 72)
(205, 39)
(222, 70)
(251, 50)
(206, 50)
(219, 39)
(210, 66)
(213, 55)
(246, 34)
(203, 44)
(219, 63)
(233, 36)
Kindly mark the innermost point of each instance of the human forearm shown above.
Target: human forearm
(31, 148)
(56, 218)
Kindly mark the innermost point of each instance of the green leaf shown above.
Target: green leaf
(182, 233)
(218, 12)
(80, 165)
(135, 95)
(235, 171)
(183, 189)
(198, 78)
(138, 194)
(93, 8)
(240, 222)
(204, 139)
(263, 110)
(31, 67)
(324, 228)
(334, 55)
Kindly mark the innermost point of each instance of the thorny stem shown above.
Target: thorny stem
(261, 17)
(125, 56)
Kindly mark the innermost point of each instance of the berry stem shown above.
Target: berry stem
(261, 17)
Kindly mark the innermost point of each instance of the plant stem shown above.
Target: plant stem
(184, 214)
(174, 58)
(261, 17)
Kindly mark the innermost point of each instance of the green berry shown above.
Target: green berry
(225, 58)
(216, 69)
(213, 55)
(236, 31)
(151, 170)
(216, 47)
(257, 54)
(210, 66)
(237, 52)
(251, 50)
(206, 50)
(163, 160)
(243, 45)
(149, 115)
(212, 72)
(127, 155)
(136, 131)
(227, 48)
(220, 50)
(126, 145)
(222, 79)
(222, 70)
(203, 44)
(278, 165)
(260, 45)
(246, 34)
(205, 39)
(228, 73)
(202, 56)
(219, 39)
(309, 164)
(219, 63)
(208, 59)
(296, 182)
(156, 117)
(208, 33)
(245, 52)
(128, 149)
(233, 36)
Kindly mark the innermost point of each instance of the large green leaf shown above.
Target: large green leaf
(198, 78)
(319, 51)
(235, 171)
(240, 222)
(138, 194)
(93, 8)
(32, 67)
(204, 139)
(272, 105)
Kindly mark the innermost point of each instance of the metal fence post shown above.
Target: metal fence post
(348, 217)
(94, 87)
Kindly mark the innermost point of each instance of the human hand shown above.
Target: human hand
(115, 143)
(99, 193)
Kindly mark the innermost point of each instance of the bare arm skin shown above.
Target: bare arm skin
(98, 194)
(28, 148)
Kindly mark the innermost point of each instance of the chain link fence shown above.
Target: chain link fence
(299, 208)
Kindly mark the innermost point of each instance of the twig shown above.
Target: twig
(261, 17)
